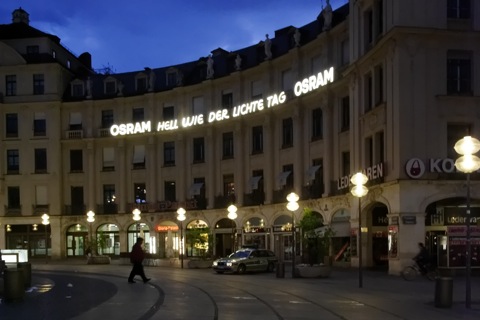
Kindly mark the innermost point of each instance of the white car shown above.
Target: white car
(246, 260)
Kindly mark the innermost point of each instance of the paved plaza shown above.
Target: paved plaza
(75, 290)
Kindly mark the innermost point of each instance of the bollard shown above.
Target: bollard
(443, 292)
(14, 288)
(280, 270)
(26, 268)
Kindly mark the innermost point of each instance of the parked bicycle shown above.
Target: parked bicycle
(411, 272)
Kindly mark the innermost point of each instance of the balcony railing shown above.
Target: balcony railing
(39, 209)
(13, 210)
(75, 209)
(162, 206)
(74, 134)
(104, 132)
(108, 208)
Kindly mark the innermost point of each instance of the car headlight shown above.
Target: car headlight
(215, 263)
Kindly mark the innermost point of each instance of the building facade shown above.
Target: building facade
(383, 87)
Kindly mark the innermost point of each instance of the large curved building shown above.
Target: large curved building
(382, 87)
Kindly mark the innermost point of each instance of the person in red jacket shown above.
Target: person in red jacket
(136, 258)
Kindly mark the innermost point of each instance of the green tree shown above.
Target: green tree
(316, 237)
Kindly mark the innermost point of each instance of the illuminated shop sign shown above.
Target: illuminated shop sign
(302, 87)
(373, 173)
(166, 228)
(416, 168)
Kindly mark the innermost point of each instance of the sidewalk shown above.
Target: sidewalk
(102, 291)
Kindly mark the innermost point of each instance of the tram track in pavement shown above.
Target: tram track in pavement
(201, 294)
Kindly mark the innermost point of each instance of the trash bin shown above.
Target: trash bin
(280, 270)
(13, 286)
(443, 292)
(26, 268)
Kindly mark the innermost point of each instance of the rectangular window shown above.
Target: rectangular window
(368, 28)
(40, 160)
(345, 163)
(109, 194)
(379, 85)
(257, 139)
(11, 85)
(287, 133)
(33, 50)
(227, 139)
(11, 127)
(345, 114)
(75, 121)
(317, 124)
(110, 87)
(369, 151)
(139, 157)
(169, 153)
(198, 188)
(76, 196)
(289, 177)
(76, 160)
(368, 88)
(257, 89)
(316, 63)
(197, 105)
(345, 52)
(168, 113)
(198, 150)
(455, 132)
(13, 197)
(41, 195)
(142, 84)
(38, 84)
(287, 82)
(458, 9)
(107, 118)
(140, 191)
(379, 147)
(138, 115)
(229, 187)
(227, 100)
(108, 159)
(39, 124)
(459, 73)
(77, 90)
(13, 161)
(170, 193)
(171, 79)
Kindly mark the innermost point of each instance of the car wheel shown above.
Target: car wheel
(241, 269)
(270, 267)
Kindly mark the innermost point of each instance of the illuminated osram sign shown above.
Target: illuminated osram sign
(302, 87)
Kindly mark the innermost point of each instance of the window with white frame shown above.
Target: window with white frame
(75, 121)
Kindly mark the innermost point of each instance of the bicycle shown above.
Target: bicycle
(411, 272)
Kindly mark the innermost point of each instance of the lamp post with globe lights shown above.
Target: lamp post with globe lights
(293, 206)
(46, 222)
(181, 216)
(232, 215)
(467, 163)
(359, 190)
(90, 220)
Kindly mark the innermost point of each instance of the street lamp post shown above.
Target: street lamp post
(467, 163)
(359, 190)
(46, 222)
(181, 217)
(90, 220)
(232, 215)
(292, 206)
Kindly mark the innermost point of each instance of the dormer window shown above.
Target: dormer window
(172, 78)
(77, 88)
(141, 82)
(32, 50)
(110, 85)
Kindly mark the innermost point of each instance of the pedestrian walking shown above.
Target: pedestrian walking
(136, 258)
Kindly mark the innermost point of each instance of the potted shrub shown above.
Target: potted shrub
(200, 239)
(95, 245)
(316, 243)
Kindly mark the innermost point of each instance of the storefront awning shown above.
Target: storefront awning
(282, 178)
(196, 188)
(312, 171)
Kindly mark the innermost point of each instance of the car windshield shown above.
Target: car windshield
(239, 254)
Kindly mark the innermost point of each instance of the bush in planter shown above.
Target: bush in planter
(316, 237)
